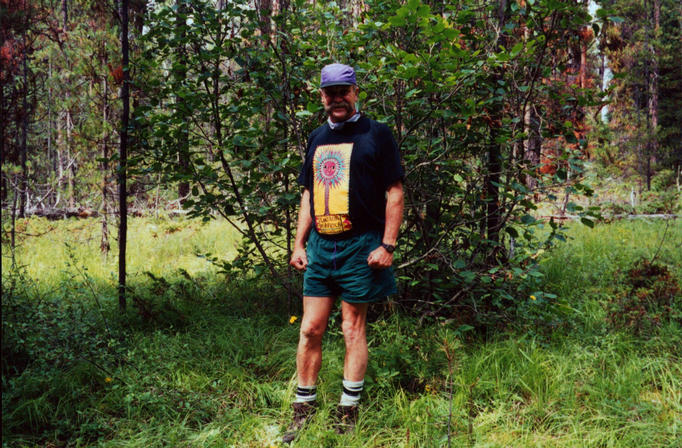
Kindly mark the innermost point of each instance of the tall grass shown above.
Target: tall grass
(221, 371)
(48, 250)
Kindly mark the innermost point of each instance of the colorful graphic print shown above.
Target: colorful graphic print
(331, 171)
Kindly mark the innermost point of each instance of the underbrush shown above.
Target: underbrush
(204, 360)
(617, 193)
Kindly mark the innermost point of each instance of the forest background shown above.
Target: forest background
(511, 116)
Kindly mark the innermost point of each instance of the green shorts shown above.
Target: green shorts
(340, 269)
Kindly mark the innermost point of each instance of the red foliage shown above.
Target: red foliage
(547, 165)
(586, 34)
(116, 73)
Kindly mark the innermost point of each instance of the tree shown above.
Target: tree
(640, 43)
(123, 160)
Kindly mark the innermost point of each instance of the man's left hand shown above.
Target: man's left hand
(380, 258)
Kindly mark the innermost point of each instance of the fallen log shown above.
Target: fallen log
(57, 214)
(610, 217)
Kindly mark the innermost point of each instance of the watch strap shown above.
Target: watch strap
(389, 247)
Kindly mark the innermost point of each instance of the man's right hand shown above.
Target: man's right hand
(299, 260)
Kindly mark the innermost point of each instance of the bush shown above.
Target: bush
(652, 298)
(470, 200)
(57, 357)
(663, 180)
(659, 202)
(615, 208)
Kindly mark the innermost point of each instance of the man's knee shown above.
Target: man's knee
(353, 328)
(312, 332)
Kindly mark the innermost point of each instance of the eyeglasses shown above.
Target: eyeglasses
(333, 91)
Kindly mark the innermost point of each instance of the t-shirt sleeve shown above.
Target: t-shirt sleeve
(305, 177)
(391, 170)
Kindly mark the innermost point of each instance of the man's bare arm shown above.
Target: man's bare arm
(299, 260)
(380, 258)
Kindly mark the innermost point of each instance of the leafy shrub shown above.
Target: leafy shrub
(160, 303)
(659, 202)
(652, 296)
(402, 357)
(455, 116)
(615, 208)
(57, 355)
(663, 180)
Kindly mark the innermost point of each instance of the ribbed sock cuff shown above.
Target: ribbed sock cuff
(305, 394)
(351, 392)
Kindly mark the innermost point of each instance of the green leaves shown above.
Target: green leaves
(447, 84)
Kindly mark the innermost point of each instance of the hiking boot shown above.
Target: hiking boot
(346, 416)
(303, 412)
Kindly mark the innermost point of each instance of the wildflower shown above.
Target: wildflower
(533, 298)
(108, 379)
(427, 388)
(292, 319)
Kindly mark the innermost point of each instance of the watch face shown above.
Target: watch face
(389, 248)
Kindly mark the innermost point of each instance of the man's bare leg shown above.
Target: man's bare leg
(316, 311)
(355, 335)
(355, 364)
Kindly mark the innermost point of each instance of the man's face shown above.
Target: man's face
(339, 102)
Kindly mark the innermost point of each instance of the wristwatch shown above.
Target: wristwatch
(389, 247)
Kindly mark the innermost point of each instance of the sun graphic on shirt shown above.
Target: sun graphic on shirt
(330, 168)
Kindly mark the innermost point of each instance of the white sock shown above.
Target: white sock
(351, 392)
(305, 394)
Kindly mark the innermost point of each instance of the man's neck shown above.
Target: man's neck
(339, 124)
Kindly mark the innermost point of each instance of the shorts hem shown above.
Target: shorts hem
(378, 298)
(315, 294)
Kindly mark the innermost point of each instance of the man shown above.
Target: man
(351, 209)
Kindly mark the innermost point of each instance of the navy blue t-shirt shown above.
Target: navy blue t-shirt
(347, 172)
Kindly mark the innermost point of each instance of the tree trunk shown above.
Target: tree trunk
(50, 156)
(69, 159)
(3, 185)
(22, 188)
(180, 77)
(494, 162)
(65, 13)
(264, 8)
(653, 85)
(104, 243)
(533, 143)
(651, 71)
(123, 158)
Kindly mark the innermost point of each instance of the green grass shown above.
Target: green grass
(220, 370)
(160, 246)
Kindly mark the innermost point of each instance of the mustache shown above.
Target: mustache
(338, 104)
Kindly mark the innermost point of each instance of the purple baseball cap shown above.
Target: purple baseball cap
(337, 75)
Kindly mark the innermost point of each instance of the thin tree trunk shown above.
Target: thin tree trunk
(69, 159)
(494, 162)
(123, 158)
(532, 144)
(23, 186)
(59, 167)
(65, 12)
(180, 77)
(3, 186)
(50, 156)
(66, 165)
(13, 230)
(104, 243)
(653, 83)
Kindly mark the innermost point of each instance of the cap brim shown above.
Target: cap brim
(336, 83)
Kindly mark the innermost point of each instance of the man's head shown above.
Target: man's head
(339, 91)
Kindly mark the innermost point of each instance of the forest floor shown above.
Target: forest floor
(207, 359)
